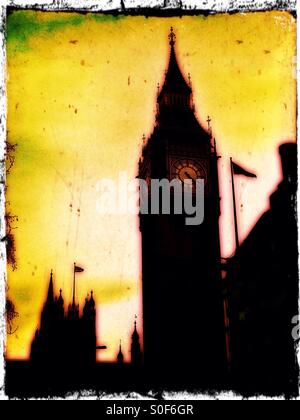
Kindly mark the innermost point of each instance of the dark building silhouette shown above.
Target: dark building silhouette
(136, 352)
(262, 285)
(120, 356)
(65, 340)
(182, 297)
(183, 291)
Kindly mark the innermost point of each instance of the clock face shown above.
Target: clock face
(188, 169)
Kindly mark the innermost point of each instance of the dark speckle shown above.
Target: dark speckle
(74, 41)
(267, 51)
(239, 41)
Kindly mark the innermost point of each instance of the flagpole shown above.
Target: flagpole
(74, 286)
(234, 207)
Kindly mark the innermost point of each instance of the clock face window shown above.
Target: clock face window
(186, 169)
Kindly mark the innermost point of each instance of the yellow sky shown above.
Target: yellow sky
(78, 110)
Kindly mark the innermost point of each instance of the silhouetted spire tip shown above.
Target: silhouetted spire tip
(135, 324)
(172, 37)
(50, 294)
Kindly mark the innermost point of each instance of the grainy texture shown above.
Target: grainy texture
(2, 199)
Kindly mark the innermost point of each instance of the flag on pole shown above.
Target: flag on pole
(238, 170)
(78, 269)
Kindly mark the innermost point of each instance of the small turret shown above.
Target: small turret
(89, 311)
(92, 301)
(60, 305)
(120, 357)
(136, 353)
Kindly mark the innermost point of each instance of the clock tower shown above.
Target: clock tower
(184, 337)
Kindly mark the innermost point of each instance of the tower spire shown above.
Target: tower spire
(120, 356)
(176, 90)
(172, 37)
(135, 323)
(50, 295)
(136, 352)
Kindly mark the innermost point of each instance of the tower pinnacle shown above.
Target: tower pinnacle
(50, 295)
(172, 37)
(136, 353)
(120, 357)
(176, 90)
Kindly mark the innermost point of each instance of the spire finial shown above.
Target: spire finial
(135, 321)
(190, 79)
(172, 37)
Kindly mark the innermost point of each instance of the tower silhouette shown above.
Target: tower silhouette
(182, 297)
(136, 352)
(120, 356)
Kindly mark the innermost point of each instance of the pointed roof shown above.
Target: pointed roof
(50, 295)
(92, 301)
(135, 334)
(120, 354)
(174, 80)
(60, 299)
